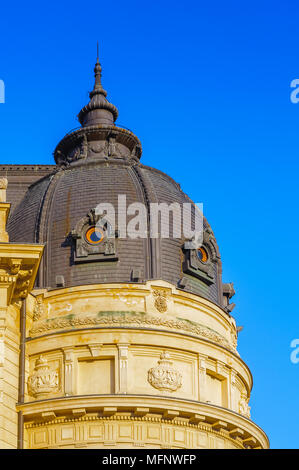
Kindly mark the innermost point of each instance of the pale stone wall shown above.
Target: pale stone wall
(121, 365)
(9, 376)
(18, 268)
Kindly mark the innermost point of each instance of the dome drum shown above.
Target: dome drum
(98, 142)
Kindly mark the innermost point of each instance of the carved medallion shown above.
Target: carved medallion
(44, 380)
(160, 300)
(99, 147)
(164, 376)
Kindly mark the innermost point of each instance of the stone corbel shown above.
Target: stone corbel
(17, 273)
(14, 265)
(95, 349)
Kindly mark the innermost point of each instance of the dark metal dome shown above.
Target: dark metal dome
(96, 164)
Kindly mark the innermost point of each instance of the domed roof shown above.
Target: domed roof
(99, 163)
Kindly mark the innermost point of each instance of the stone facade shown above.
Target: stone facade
(121, 373)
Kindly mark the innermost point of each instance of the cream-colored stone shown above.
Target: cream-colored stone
(18, 268)
(111, 366)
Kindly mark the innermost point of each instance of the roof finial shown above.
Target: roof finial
(98, 75)
(98, 110)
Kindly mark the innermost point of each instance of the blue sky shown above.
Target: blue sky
(206, 87)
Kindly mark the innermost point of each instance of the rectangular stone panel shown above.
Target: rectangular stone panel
(96, 377)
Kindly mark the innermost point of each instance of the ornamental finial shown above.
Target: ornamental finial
(98, 110)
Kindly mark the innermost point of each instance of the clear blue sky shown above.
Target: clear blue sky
(206, 87)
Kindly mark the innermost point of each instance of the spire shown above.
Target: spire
(98, 77)
(98, 110)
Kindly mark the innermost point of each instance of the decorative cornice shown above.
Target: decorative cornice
(145, 419)
(197, 412)
(18, 268)
(149, 419)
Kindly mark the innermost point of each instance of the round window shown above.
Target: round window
(202, 254)
(94, 236)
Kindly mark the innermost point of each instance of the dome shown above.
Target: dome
(99, 163)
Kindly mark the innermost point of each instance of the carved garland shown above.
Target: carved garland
(127, 319)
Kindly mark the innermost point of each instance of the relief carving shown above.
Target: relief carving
(98, 147)
(129, 319)
(39, 310)
(23, 283)
(160, 300)
(164, 376)
(15, 265)
(3, 183)
(244, 408)
(44, 380)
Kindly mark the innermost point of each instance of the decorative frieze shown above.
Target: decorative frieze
(128, 319)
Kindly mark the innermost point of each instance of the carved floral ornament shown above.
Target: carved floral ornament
(44, 380)
(164, 376)
(18, 277)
